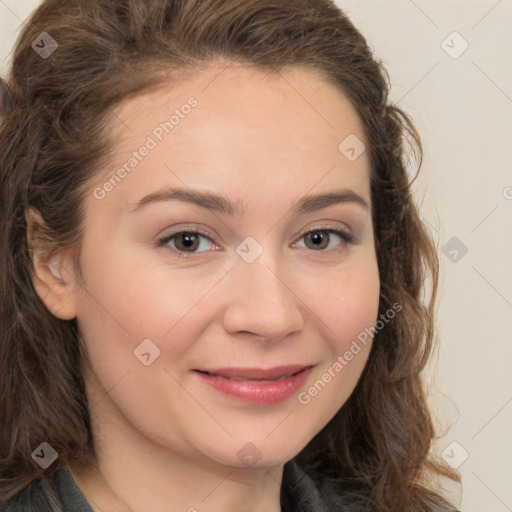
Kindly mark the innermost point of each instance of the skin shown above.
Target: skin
(164, 439)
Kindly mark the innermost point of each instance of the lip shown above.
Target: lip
(257, 385)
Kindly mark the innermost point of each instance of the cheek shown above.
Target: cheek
(127, 300)
(123, 306)
(347, 304)
(136, 294)
(347, 307)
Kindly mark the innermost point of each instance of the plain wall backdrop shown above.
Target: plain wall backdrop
(450, 67)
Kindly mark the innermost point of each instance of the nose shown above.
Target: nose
(262, 301)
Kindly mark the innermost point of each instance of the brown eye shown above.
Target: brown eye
(186, 243)
(319, 239)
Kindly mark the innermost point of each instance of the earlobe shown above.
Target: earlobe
(53, 283)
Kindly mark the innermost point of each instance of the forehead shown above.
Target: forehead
(244, 91)
(247, 127)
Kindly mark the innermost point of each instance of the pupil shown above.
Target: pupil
(317, 237)
(188, 240)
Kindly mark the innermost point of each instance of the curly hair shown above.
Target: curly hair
(378, 444)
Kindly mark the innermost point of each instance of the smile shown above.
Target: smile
(254, 385)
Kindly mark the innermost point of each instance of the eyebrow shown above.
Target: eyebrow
(220, 204)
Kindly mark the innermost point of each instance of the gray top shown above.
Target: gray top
(66, 495)
(299, 493)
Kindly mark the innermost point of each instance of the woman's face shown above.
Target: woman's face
(195, 341)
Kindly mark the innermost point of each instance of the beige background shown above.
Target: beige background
(462, 106)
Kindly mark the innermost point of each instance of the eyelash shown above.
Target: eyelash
(164, 240)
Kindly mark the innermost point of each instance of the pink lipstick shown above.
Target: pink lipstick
(255, 385)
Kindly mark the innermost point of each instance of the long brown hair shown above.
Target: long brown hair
(57, 139)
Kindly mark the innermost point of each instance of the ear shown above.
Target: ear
(53, 277)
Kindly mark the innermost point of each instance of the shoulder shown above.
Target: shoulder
(312, 491)
(56, 494)
(39, 496)
(303, 491)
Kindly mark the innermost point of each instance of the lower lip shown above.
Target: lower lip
(257, 392)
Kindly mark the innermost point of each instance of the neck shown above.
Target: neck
(134, 473)
(104, 491)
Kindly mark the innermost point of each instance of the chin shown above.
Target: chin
(256, 450)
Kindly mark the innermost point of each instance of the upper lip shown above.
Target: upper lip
(273, 373)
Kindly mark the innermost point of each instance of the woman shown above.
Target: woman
(212, 266)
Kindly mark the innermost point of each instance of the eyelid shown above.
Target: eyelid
(164, 239)
(344, 234)
(329, 228)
